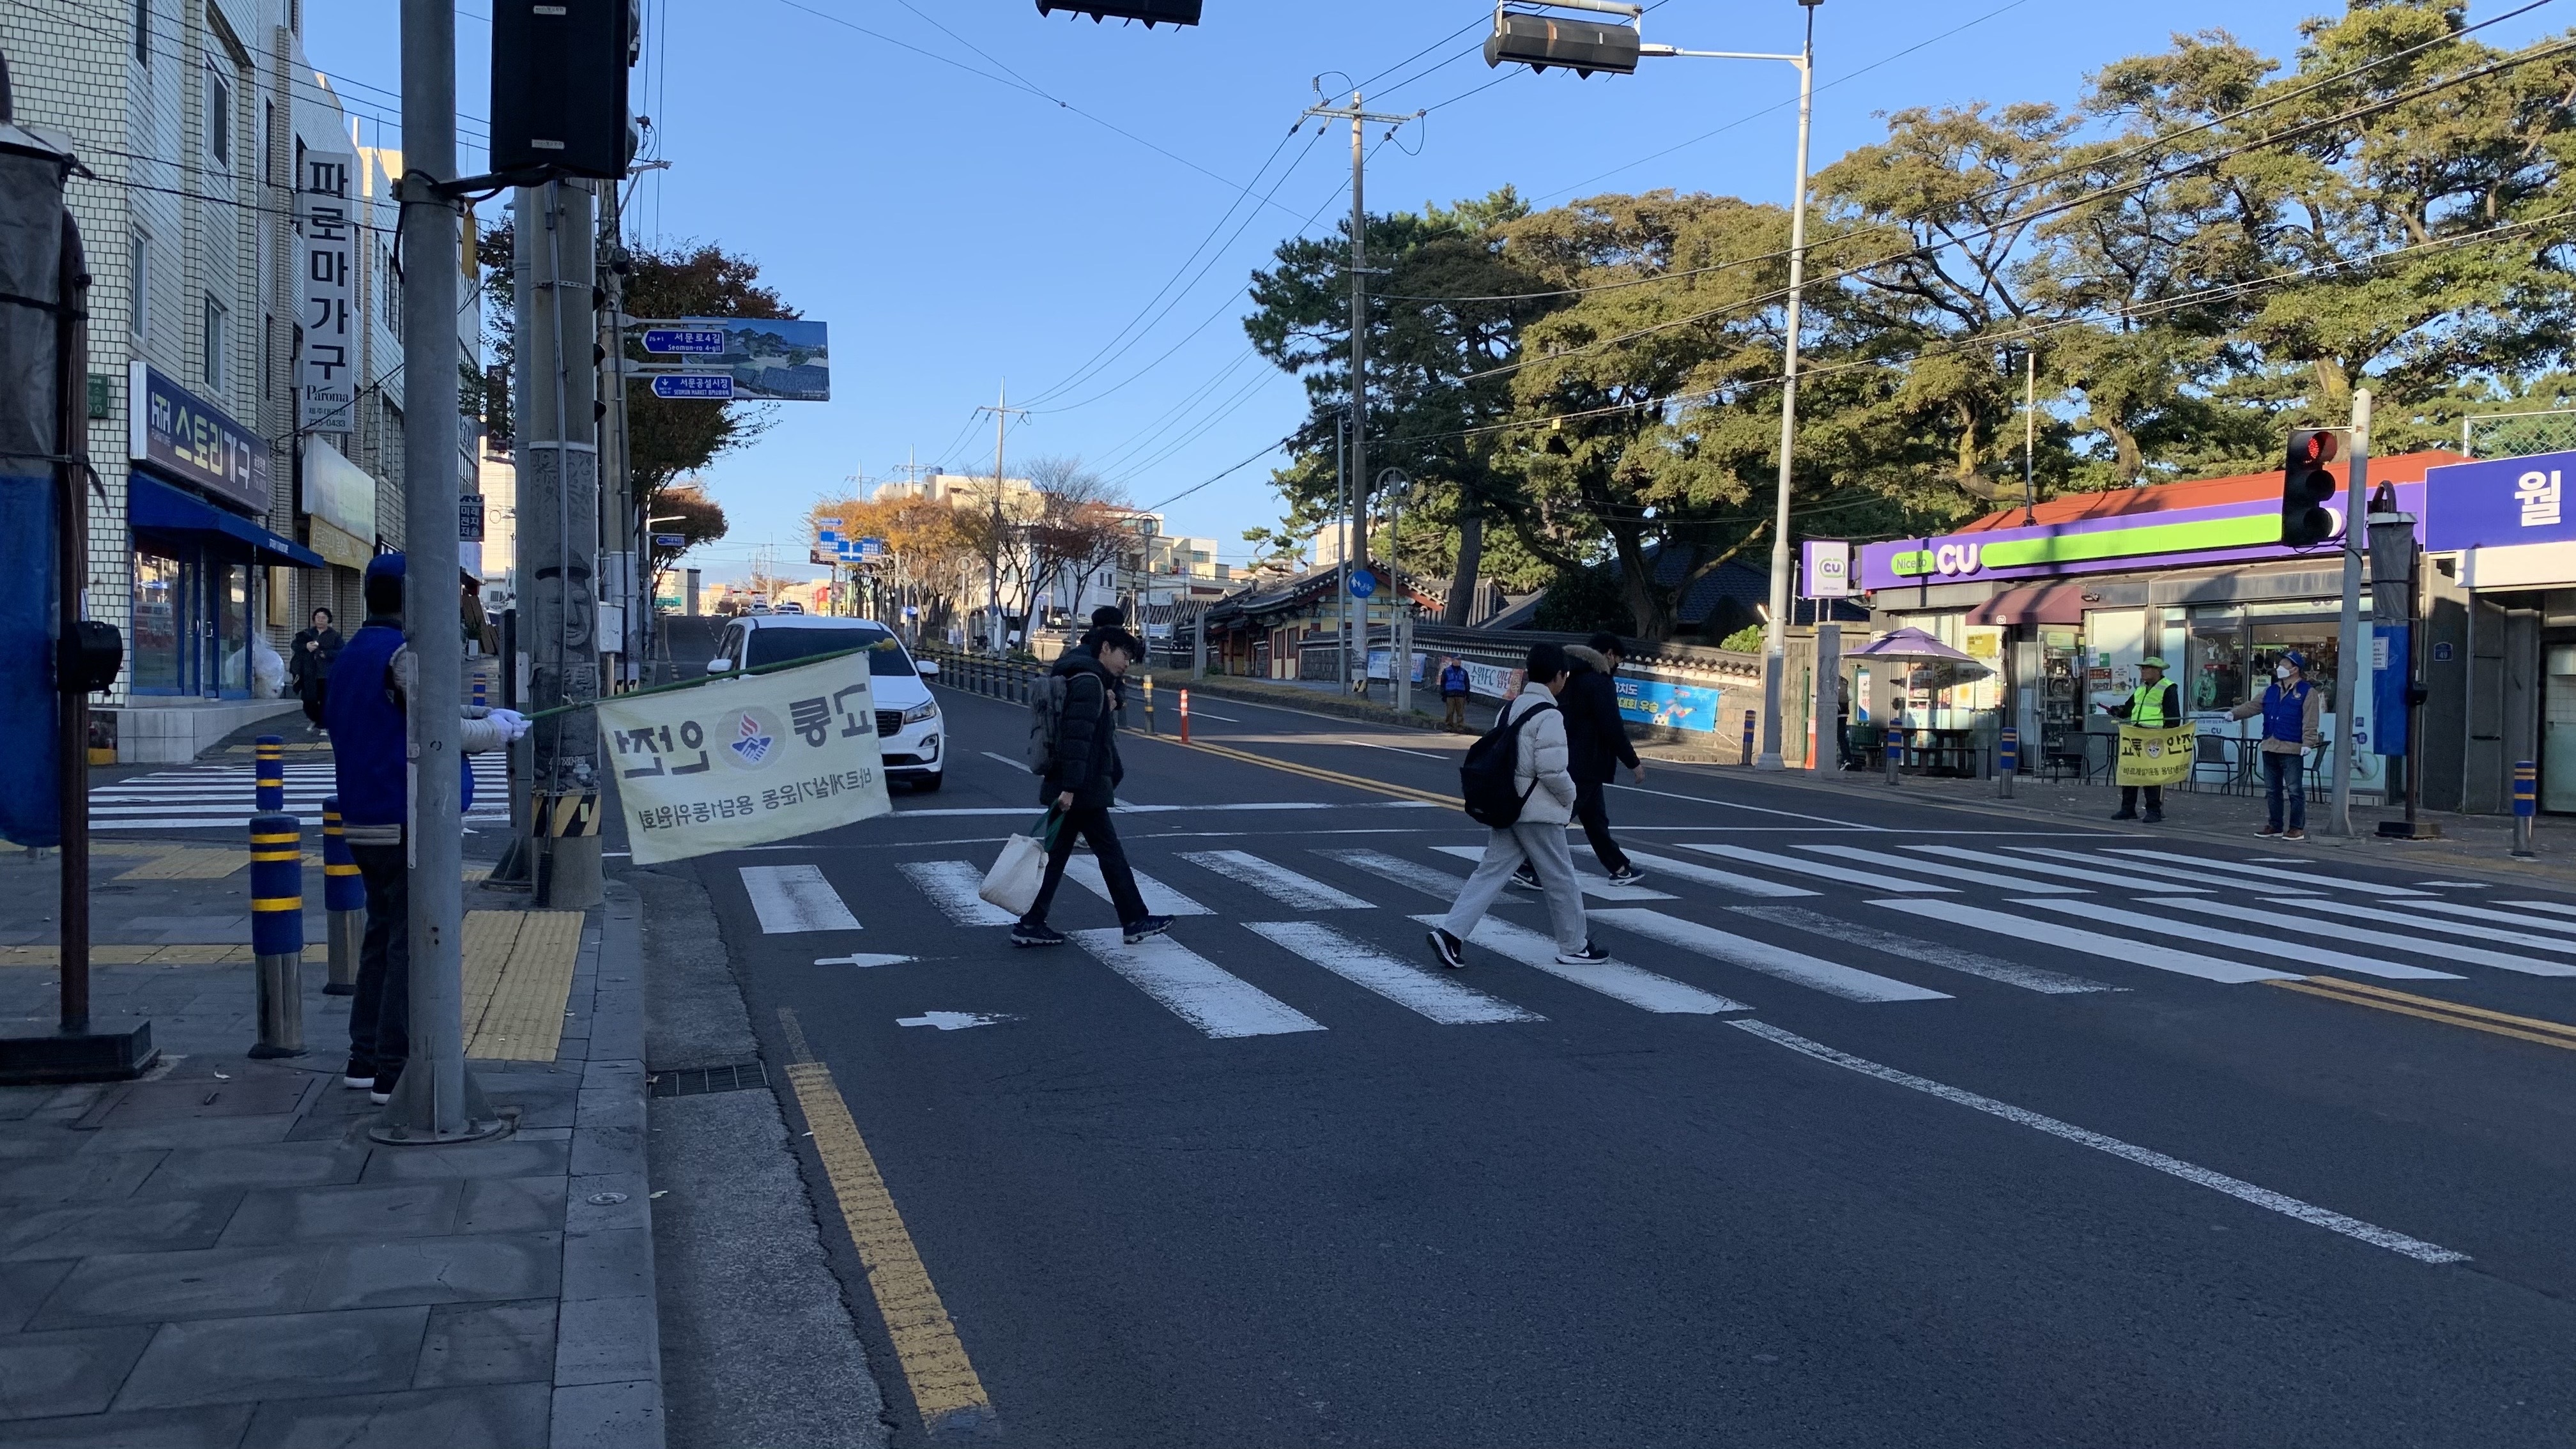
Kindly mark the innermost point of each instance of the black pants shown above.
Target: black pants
(380, 1013)
(1592, 807)
(1091, 822)
(2129, 799)
(314, 695)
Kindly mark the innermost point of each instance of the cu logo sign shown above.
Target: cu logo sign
(1952, 559)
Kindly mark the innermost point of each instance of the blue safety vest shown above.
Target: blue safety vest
(2285, 712)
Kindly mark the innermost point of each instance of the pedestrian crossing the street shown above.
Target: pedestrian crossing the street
(220, 796)
(1896, 926)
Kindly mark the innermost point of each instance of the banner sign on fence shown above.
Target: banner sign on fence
(748, 761)
(1493, 681)
(1670, 706)
(2156, 756)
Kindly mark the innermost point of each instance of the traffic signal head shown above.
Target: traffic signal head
(1581, 46)
(2307, 486)
(559, 87)
(1152, 12)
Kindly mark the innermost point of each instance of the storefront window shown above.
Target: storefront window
(2215, 672)
(232, 643)
(157, 652)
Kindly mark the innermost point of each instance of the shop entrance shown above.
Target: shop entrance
(2558, 730)
(191, 624)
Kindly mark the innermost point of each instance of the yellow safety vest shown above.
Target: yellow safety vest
(2147, 704)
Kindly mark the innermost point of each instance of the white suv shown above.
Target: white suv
(908, 722)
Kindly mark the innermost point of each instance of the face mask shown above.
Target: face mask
(2282, 674)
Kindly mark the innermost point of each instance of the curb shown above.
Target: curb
(1312, 702)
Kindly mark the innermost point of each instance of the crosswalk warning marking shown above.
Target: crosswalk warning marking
(2267, 872)
(1820, 870)
(2503, 918)
(1832, 978)
(1412, 987)
(1929, 953)
(2004, 925)
(1725, 880)
(1617, 980)
(1596, 886)
(1432, 881)
(1891, 861)
(1281, 884)
(2049, 867)
(1195, 989)
(2298, 946)
(795, 898)
(1160, 899)
(2446, 950)
(952, 886)
(2443, 927)
(2158, 872)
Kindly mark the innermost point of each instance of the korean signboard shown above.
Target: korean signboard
(326, 374)
(187, 439)
(742, 359)
(748, 761)
(342, 495)
(2499, 502)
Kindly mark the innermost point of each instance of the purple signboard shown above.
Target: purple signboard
(2500, 501)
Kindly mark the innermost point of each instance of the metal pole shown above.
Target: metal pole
(1357, 517)
(1775, 662)
(2029, 433)
(564, 606)
(71, 575)
(1829, 691)
(2351, 662)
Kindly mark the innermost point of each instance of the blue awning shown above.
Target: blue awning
(156, 507)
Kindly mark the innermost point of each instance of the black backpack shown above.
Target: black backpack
(1485, 779)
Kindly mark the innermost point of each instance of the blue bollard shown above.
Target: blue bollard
(344, 899)
(2526, 807)
(1894, 752)
(481, 691)
(268, 795)
(277, 931)
(1748, 739)
(2007, 760)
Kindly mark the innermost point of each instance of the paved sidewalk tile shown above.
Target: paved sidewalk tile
(72, 1372)
(294, 1355)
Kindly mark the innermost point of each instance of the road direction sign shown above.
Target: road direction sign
(669, 540)
(685, 341)
(715, 386)
(1363, 584)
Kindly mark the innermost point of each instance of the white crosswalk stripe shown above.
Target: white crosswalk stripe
(2449, 950)
(794, 898)
(952, 886)
(1412, 987)
(2050, 867)
(1725, 880)
(1432, 881)
(2550, 906)
(1829, 977)
(1865, 879)
(211, 797)
(1160, 899)
(1888, 860)
(1278, 882)
(2004, 925)
(2502, 918)
(1930, 953)
(1617, 980)
(1596, 886)
(1195, 989)
(2288, 947)
(2270, 873)
(2158, 873)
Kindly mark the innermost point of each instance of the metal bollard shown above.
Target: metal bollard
(1894, 751)
(481, 691)
(1149, 706)
(2526, 808)
(277, 931)
(268, 794)
(1185, 716)
(344, 898)
(2007, 760)
(1748, 739)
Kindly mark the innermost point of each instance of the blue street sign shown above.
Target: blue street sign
(669, 540)
(872, 548)
(685, 341)
(1363, 584)
(712, 386)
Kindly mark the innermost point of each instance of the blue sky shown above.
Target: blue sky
(966, 219)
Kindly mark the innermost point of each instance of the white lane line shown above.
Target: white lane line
(2551, 907)
(1850, 983)
(2303, 877)
(1195, 989)
(1017, 767)
(1725, 880)
(1617, 980)
(2299, 947)
(1227, 808)
(2160, 873)
(1412, 987)
(792, 898)
(2487, 934)
(1930, 953)
(2050, 867)
(861, 960)
(2006, 926)
(1756, 809)
(1160, 899)
(1198, 713)
(1395, 749)
(1430, 880)
(1891, 861)
(2456, 885)
(2502, 918)
(952, 886)
(1278, 882)
(1815, 868)
(1596, 886)
(2333, 1222)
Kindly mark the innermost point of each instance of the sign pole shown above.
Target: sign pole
(2351, 662)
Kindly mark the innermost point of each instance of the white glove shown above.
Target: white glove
(512, 723)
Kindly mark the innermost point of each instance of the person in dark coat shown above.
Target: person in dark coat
(1597, 743)
(1080, 785)
(1104, 619)
(308, 664)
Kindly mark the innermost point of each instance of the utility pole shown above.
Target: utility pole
(624, 585)
(1002, 412)
(435, 1101)
(2352, 659)
(1775, 640)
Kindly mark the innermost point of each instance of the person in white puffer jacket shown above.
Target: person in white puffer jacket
(1538, 835)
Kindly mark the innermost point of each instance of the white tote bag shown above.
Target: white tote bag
(1013, 882)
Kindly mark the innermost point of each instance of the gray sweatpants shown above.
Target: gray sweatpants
(1544, 847)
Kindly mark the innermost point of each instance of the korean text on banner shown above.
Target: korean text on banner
(747, 761)
(2154, 755)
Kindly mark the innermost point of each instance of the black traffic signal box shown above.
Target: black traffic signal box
(559, 87)
(2308, 485)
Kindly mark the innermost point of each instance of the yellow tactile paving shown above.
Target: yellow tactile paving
(191, 862)
(522, 1020)
(488, 938)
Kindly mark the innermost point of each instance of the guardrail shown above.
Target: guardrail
(1006, 679)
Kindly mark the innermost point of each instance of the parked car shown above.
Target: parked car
(909, 727)
(758, 606)
(790, 606)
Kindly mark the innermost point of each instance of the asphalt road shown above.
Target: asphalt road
(1924, 1155)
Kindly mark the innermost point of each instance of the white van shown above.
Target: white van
(908, 722)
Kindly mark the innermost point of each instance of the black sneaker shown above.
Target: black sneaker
(1590, 955)
(1040, 934)
(359, 1076)
(1627, 875)
(2155, 817)
(381, 1091)
(1525, 878)
(2124, 814)
(1150, 926)
(1450, 949)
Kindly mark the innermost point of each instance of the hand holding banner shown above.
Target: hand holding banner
(2156, 755)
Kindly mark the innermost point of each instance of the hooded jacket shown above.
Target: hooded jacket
(1086, 742)
(1539, 761)
(1596, 736)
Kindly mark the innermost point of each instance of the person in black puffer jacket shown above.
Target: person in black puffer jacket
(1080, 785)
(1597, 740)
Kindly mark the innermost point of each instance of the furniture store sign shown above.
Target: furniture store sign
(2499, 502)
(190, 440)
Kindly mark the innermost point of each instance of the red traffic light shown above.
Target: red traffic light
(2312, 446)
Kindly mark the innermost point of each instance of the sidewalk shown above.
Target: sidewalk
(218, 1256)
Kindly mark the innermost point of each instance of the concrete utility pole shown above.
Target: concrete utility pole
(1775, 643)
(559, 528)
(435, 1101)
(2352, 656)
(1002, 412)
(625, 586)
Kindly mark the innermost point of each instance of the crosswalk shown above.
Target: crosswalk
(220, 796)
(1896, 925)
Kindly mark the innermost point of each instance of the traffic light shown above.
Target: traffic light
(1581, 46)
(1152, 12)
(559, 87)
(2307, 486)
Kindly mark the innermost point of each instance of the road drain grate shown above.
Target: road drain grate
(698, 1081)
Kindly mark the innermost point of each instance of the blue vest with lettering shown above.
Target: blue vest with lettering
(367, 736)
(2285, 712)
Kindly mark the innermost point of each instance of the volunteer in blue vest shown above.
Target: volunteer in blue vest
(369, 748)
(1453, 695)
(2154, 704)
(2293, 712)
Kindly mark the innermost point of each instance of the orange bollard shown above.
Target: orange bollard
(1185, 716)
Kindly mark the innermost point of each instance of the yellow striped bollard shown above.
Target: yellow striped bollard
(268, 792)
(277, 931)
(344, 899)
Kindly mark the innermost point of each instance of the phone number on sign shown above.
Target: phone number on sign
(743, 807)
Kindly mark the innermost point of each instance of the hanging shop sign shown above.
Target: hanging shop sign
(326, 371)
(1824, 570)
(189, 440)
(2500, 502)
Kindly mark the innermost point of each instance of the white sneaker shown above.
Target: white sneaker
(1590, 955)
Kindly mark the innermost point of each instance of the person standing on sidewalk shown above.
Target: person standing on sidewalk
(2293, 722)
(370, 751)
(1453, 695)
(308, 664)
(2155, 704)
(1535, 723)
(1596, 746)
(1080, 785)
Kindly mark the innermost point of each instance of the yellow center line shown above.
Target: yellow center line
(935, 1367)
(2427, 1008)
(1313, 772)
